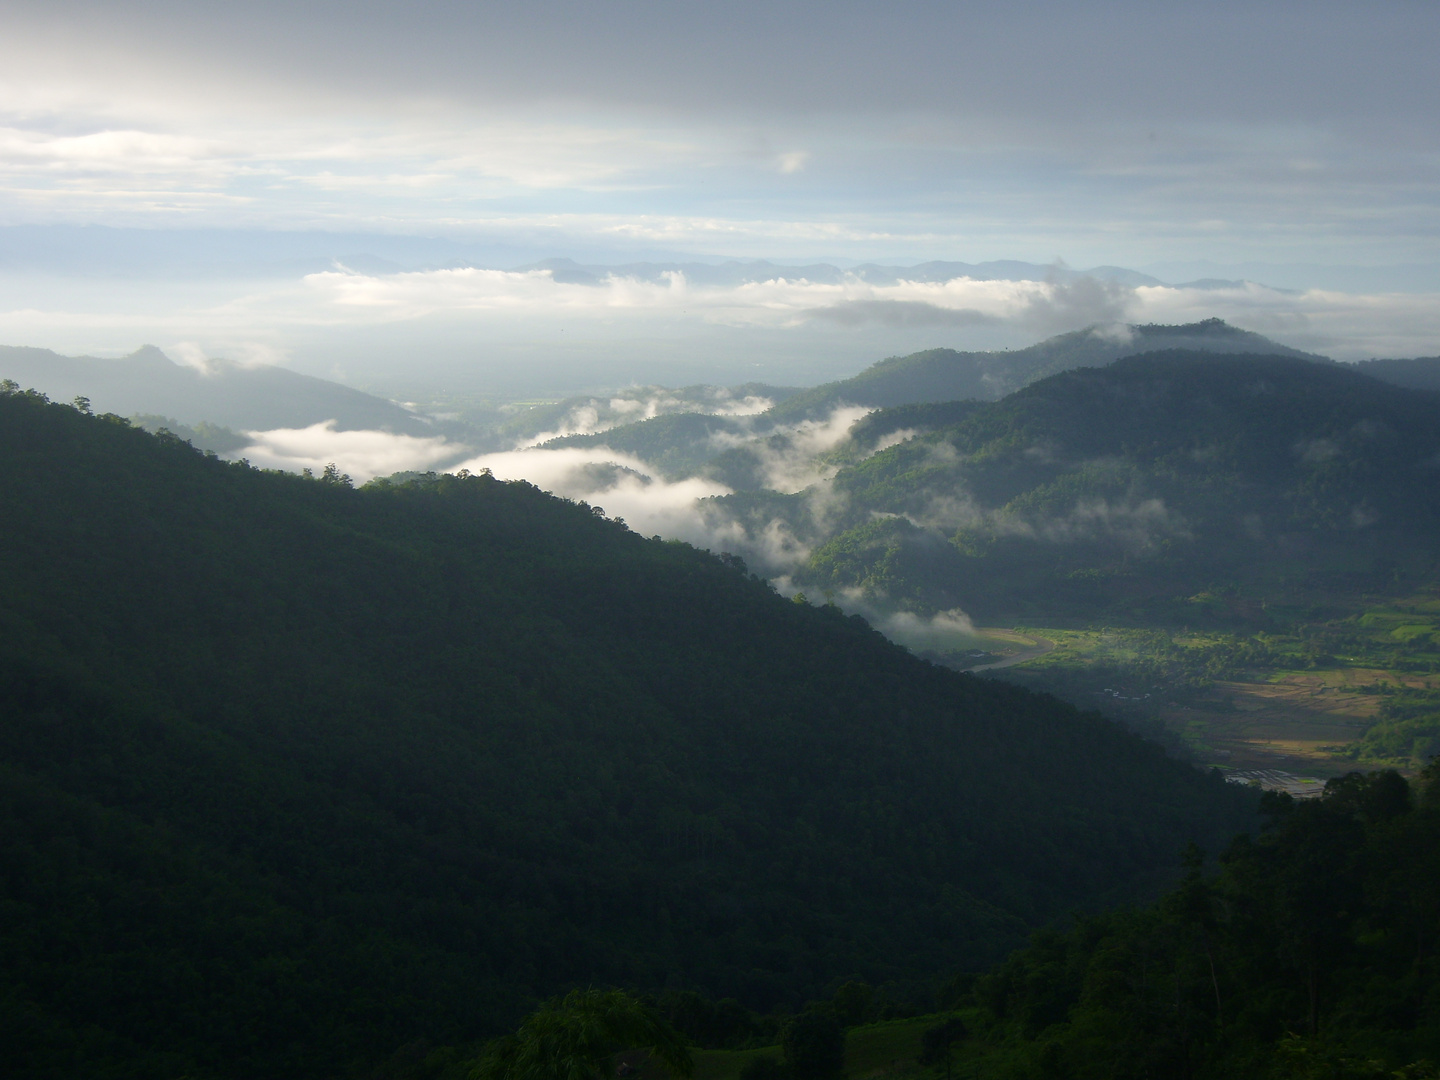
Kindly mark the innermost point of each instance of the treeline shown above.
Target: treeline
(1312, 952)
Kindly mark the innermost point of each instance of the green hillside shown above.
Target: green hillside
(1308, 953)
(935, 386)
(1126, 487)
(294, 774)
(937, 375)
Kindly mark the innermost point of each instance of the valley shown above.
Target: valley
(452, 742)
(1247, 699)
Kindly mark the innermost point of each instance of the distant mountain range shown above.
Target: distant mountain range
(695, 430)
(227, 253)
(937, 375)
(1111, 490)
(244, 398)
(917, 393)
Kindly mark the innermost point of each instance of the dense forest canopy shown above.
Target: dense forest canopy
(1309, 952)
(293, 774)
(1128, 486)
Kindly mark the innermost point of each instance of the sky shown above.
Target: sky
(1291, 144)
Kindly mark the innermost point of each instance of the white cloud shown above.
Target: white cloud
(1346, 325)
(793, 162)
(645, 403)
(623, 485)
(787, 458)
(361, 454)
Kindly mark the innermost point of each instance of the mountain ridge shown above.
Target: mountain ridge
(294, 774)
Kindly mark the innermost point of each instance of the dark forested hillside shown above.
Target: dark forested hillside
(1105, 489)
(1311, 953)
(292, 774)
(1418, 373)
(936, 375)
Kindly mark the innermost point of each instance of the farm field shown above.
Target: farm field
(1312, 691)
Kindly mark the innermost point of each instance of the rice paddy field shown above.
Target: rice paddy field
(1318, 692)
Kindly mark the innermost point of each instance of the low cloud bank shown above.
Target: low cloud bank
(1344, 325)
(362, 454)
(761, 324)
(600, 414)
(623, 485)
(788, 458)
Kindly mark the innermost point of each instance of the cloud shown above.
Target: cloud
(1345, 325)
(788, 459)
(938, 631)
(787, 314)
(1136, 525)
(361, 454)
(598, 415)
(623, 485)
(793, 162)
(899, 313)
(1076, 302)
(191, 355)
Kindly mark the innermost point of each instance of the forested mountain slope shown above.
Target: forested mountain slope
(1310, 953)
(947, 375)
(730, 449)
(1136, 484)
(292, 774)
(1418, 373)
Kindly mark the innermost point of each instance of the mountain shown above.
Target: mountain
(734, 450)
(292, 774)
(937, 375)
(1420, 373)
(1305, 953)
(588, 414)
(1105, 490)
(224, 393)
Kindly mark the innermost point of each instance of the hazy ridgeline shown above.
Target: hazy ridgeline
(295, 773)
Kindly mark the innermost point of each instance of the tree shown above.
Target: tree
(814, 1046)
(935, 1042)
(577, 1037)
(852, 1003)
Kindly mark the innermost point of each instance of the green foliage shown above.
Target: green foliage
(1406, 731)
(202, 436)
(293, 774)
(679, 445)
(936, 1042)
(1103, 490)
(814, 1045)
(577, 1037)
(765, 1067)
(1311, 953)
